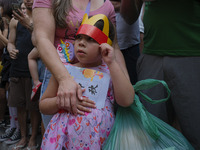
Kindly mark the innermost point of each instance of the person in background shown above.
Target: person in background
(171, 53)
(19, 46)
(12, 134)
(128, 37)
(141, 26)
(3, 44)
(23, 8)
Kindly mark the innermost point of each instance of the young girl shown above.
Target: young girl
(96, 68)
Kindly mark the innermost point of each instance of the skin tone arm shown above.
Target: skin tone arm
(130, 10)
(119, 56)
(32, 63)
(4, 34)
(68, 90)
(3, 41)
(48, 104)
(118, 53)
(123, 89)
(11, 39)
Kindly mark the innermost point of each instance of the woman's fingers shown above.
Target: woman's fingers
(80, 112)
(83, 109)
(72, 99)
(80, 92)
(73, 102)
(63, 102)
(67, 93)
(85, 105)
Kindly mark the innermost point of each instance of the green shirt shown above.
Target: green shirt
(172, 28)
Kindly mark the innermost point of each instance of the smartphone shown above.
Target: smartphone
(15, 7)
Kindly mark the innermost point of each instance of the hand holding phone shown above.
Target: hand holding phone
(16, 7)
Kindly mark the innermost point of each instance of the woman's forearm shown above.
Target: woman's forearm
(51, 59)
(44, 33)
(3, 40)
(130, 10)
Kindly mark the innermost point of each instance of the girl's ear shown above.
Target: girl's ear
(100, 49)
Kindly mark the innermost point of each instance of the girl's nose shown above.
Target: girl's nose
(82, 42)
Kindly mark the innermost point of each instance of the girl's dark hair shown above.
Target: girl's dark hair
(100, 24)
(7, 7)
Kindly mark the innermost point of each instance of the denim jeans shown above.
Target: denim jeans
(47, 75)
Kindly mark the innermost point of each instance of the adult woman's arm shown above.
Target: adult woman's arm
(130, 10)
(119, 56)
(11, 39)
(49, 106)
(44, 31)
(3, 41)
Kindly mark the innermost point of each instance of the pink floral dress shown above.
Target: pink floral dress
(81, 132)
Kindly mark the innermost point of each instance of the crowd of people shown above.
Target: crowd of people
(68, 66)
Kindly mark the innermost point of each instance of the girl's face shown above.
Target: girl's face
(28, 4)
(23, 8)
(87, 51)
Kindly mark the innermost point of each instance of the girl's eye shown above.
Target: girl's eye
(78, 37)
(91, 39)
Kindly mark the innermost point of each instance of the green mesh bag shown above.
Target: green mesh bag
(136, 129)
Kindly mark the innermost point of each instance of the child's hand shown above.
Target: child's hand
(107, 53)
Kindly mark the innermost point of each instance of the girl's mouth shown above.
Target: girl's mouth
(81, 52)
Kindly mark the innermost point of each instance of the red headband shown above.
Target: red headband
(93, 32)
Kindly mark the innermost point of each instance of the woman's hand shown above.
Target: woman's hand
(69, 97)
(23, 19)
(85, 105)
